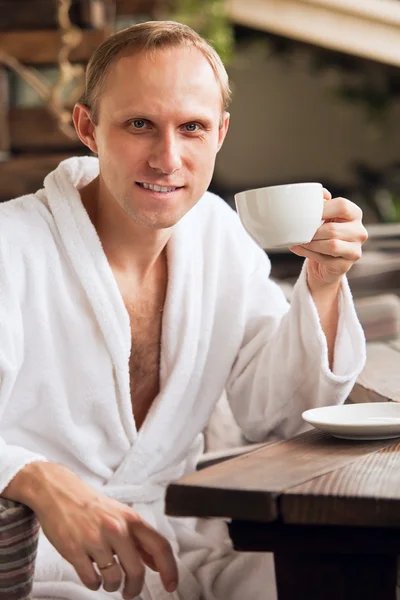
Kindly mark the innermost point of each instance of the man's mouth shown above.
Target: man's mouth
(158, 188)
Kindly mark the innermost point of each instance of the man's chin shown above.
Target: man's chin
(157, 222)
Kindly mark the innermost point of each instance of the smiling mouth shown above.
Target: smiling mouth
(159, 188)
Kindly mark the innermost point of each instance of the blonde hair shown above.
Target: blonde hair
(149, 36)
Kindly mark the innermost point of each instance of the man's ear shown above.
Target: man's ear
(223, 129)
(84, 126)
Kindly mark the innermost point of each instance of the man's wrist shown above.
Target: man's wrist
(324, 289)
(26, 484)
(326, 300)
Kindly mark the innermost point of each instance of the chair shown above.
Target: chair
(19, 533)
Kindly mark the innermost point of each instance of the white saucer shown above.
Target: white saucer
(366, 421)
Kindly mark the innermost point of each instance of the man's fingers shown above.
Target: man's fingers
(146, 557)
(111, 575)
(341, 208)
(161, 552)
(348, 232)
(337, 243)
(336, 248)
(86, 572)
(336, 265)
(327, 194)
(131, 564)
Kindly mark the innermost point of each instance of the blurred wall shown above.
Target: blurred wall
(287, 125)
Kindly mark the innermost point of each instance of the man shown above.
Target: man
(131, 298)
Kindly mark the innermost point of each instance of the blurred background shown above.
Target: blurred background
(316, 97)
(316, 92)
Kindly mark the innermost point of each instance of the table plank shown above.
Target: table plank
(360, 394)
(248, 487)
(381, 372)
(365, 493)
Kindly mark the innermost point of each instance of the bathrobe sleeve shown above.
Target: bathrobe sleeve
(12, 456)
(282, 367)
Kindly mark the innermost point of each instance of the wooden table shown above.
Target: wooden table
(328, 509)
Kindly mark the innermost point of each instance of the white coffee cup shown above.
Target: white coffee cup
(282, 215)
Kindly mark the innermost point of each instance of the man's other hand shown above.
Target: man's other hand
(87, 528)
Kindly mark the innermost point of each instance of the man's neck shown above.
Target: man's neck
(128, 246)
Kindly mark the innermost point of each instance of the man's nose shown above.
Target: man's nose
(166, 155)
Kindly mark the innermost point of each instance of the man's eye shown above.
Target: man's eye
(139, 123)
(191, 127)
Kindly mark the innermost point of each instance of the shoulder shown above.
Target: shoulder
(25, 209)
(24, 220)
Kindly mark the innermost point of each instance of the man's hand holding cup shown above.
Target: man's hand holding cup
(337, 243)
(305, 218)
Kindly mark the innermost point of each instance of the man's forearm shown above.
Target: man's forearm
(27, 485)
(326, 299)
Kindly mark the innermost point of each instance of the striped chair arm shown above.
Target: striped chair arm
(19, 533)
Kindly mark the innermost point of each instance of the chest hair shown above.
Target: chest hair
(145, 308)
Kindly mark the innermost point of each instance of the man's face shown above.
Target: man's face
(159, 125)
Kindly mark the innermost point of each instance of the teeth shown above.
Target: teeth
(158, 188)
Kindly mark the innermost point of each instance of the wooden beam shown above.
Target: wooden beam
(91, 14)
(4, 108)
(385, 11)
(369, 29)
(35, 129)
(25, 174)
(43, 14)
(136, 7)
(43, 46)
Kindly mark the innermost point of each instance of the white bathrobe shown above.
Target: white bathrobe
(65, 341)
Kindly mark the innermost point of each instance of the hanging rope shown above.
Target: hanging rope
(70, 83)
(68, 74)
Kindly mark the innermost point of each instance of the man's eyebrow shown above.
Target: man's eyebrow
(137, 114)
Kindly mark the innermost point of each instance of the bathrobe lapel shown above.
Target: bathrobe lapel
(93, 270)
